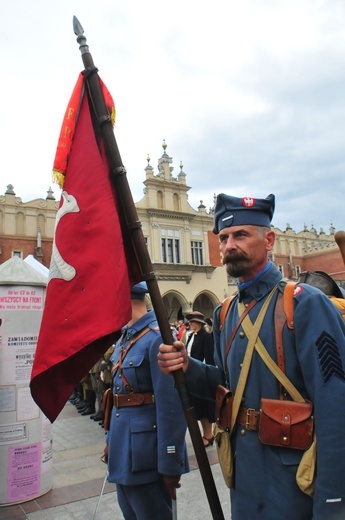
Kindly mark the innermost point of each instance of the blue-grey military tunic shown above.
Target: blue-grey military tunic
(145, 441)
(264, 476)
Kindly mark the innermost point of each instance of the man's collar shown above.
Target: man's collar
(138, 325)
(245, 285)
(261, 286)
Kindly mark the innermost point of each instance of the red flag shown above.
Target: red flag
(88, 294)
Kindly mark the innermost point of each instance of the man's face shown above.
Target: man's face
(195, 326)
(244, 250)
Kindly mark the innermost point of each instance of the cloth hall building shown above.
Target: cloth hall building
(183, 249)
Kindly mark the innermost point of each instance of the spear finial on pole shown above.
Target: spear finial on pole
(79, 31)
(83, 46)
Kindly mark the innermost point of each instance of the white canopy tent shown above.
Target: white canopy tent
(18, 272)
(37, 265)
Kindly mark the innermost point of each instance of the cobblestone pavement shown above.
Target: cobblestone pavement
(79, 474)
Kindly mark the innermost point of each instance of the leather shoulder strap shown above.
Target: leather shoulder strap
(246, 310)
(339, 303)
(288, 303)
(226, 304)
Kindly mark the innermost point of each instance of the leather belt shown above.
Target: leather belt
(249, 418)
(133, 399)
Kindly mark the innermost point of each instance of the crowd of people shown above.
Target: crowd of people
(88, 394)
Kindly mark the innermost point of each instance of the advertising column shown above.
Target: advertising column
(25, 433)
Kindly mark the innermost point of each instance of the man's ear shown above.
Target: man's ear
(270, 240)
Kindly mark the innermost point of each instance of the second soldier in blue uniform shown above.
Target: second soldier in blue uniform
(146, 441)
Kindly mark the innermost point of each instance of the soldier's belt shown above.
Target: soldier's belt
(133, 399)
(249, 418)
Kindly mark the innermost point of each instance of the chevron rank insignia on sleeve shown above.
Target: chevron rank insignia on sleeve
(329, 357)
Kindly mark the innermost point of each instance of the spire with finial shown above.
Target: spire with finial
(331, 229)
(9, 190)
(50, 194)
(165, 171)
(148, 169)
(164, 146)
(181, 177)
(202, 207)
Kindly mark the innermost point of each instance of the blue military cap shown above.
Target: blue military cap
(139, 290)
(236, 211)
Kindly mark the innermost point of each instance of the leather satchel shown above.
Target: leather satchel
(221, 432)
(287, 424)
(224, 452)
(223, 407)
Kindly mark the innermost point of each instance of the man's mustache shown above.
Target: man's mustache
(235, 256)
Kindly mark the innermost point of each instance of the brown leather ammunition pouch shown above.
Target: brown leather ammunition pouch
(286, 423)
(223, 408)
(107, 406)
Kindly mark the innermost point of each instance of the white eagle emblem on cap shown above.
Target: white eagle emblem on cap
(248, 202)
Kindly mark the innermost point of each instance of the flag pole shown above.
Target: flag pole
(118, 176)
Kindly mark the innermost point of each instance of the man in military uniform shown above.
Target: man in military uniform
(264, 486)
(146, 441)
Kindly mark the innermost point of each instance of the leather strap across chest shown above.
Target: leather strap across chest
(123, 354)
(233, 334)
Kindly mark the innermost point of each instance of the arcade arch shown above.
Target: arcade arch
(205, 302)
(177, 305)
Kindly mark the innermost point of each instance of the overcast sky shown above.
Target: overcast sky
(248, 94)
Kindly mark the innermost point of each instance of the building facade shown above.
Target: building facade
(183, 250)
(182, 247)
(27, 228)
(308, 250)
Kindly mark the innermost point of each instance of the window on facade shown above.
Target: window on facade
(281, 269)
(18, 253)
(171, 250)
(147, 242)
(171, 246)
(197, 253)
(298, 271)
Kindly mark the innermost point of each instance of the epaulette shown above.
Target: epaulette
(153, 326)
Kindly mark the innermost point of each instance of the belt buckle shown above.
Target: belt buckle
(247, 424)
(116, 400)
